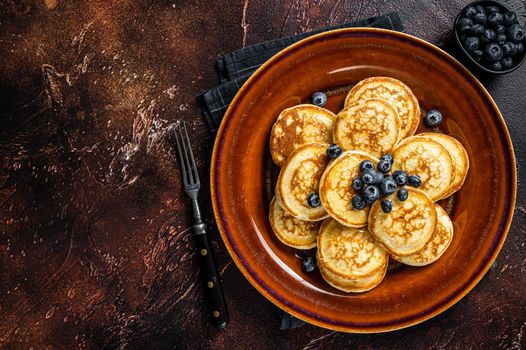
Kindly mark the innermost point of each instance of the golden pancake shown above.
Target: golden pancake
(408, 227)
(348, 258)
(436, 246)
(396, 93)
(299, 125)
(458, 154)
(349, 252)
(290, 231)
(299, 177)
(336, 190)
(371, 126)
(428, 159)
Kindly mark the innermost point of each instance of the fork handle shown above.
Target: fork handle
(213, 291)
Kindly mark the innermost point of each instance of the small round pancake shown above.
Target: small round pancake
(360, 285)
(408, 227)
(396, 93)
(290, 231)
(438, 244)
(299, 177)
(349, 253)
(458, 154)
(336, 190)
(428, 159)
(371, 126)
(299, 125)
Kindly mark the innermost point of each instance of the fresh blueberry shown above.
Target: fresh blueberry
(470, 12)
(366, 165)
(464, 24)
(414, 181)
(492, 9)
(477, 55)
(388, 186)
(488, 36)
(368, 177)
(384, 166)
(480, 9)
(308, 263)
(334, 151)
(501, 39)
(480, 18)
(402, 194)
(493, 52)
(357, 184)
(386, 205)
(371, 193)
(508, 49)
(471, 43)
(400, 177)
(519, 48)
(510, 18)
(378, 177)
(500, 29)
(506, 62)
(388, 157)
(358, 202)
(495, 19)
(496, 66)
(476, 30)
(314, 200)
(319, 99)
(516, 33)
(433, 118)
(371, 177)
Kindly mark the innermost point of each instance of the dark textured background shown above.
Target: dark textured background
(95, 245)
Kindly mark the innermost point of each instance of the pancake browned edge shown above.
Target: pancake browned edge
(408, 227)
(336, 190)
(361, 155)
(299, 177)
(353, 286)
(349, 259)
(371, 126)
(437, 245)
(299, 125)
(290, 231)
(396, 93)
(458, 154)
(427, 159)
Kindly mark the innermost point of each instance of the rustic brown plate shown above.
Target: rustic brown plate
(332, 62)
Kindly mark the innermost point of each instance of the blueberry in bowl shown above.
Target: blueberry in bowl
(490, 36)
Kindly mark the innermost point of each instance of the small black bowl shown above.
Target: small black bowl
(517, 60)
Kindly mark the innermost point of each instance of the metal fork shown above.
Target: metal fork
(213, 290)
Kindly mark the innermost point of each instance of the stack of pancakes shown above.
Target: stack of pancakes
(380, 116)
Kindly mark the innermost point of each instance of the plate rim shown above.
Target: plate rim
(441, 305)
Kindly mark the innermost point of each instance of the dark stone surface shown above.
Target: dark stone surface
(95, 245)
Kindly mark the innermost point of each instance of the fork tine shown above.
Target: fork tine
(181, 159)
(186, 157)
(192, 159)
